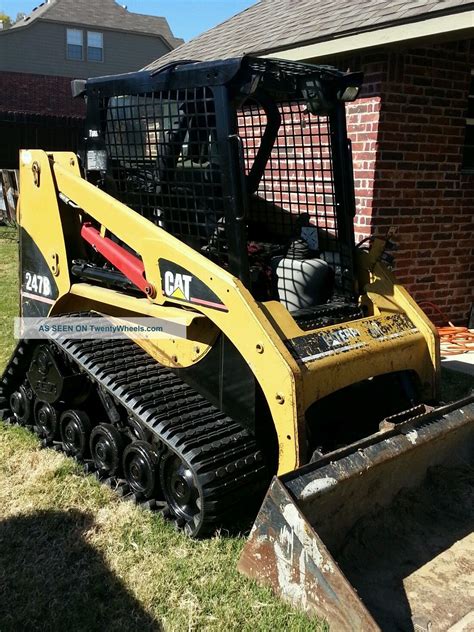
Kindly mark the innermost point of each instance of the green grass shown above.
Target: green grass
(74, 557)
(9, 290)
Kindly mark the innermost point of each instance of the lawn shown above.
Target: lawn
(8, 290)
(74, 557)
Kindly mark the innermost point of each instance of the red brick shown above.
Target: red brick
(41, 94)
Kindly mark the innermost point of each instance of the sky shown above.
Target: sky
(187, 18)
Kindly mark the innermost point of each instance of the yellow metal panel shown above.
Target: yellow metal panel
(327, 375)
(244, 324)
(388, 296)
(170, 351)
(132, 304)
(39, 214)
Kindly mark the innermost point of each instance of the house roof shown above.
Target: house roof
(270, 26)
(100, 14)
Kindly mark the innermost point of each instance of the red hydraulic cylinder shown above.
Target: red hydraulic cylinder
(129, 265)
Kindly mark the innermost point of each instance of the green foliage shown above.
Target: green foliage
(6, 19)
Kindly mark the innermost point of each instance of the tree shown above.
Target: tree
(6, 20)
(19, 17)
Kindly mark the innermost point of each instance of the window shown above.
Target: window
(468, 155)
(75, 45)
(95, 46)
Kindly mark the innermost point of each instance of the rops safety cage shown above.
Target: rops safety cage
(245, 160)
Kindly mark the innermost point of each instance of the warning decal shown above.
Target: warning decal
(358, 335)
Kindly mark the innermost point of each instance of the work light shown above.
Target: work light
(349, 86)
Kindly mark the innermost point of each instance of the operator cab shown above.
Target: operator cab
(245, 160)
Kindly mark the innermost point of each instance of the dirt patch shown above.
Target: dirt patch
(414, 562)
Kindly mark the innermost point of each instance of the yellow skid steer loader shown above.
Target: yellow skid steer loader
(220, 196)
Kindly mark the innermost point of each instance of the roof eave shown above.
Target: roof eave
(456, 24)
(169, 44)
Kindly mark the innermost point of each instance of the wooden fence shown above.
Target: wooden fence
(23, 130)
(9, 191)
(20, 130)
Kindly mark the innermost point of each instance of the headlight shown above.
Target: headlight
(323, 93)
(350, 93)
(349, 86)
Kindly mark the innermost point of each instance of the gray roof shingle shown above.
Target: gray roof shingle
(272, 25)
(100, 13)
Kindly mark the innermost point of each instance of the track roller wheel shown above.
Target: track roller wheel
(140, 463)
(181, 493)
(75, 428)
(136, 430)
(106, 447)
(20, 404)
(46, 421)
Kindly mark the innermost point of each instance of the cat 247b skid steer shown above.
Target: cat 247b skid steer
(221, 195)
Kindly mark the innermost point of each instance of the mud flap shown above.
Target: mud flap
(309, 526)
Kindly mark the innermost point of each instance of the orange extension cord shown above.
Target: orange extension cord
(454, 340)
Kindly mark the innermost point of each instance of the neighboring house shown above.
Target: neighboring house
(62, 40)
(412, 129)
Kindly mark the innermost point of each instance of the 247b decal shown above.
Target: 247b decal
(37, 283)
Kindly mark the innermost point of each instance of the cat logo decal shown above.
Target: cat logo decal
(178, 285)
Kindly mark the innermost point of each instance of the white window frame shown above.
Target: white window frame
(68, 43)
(101, 47)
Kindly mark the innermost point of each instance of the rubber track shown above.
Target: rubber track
(222, 454)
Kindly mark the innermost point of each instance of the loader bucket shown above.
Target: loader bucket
(378, 535)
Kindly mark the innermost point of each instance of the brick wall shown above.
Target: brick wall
(407, 131)
(40, 94)
(363, 127)
(419, 188)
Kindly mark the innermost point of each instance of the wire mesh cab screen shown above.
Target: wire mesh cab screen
(164, 161)
(170, 159)
(294, 199)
